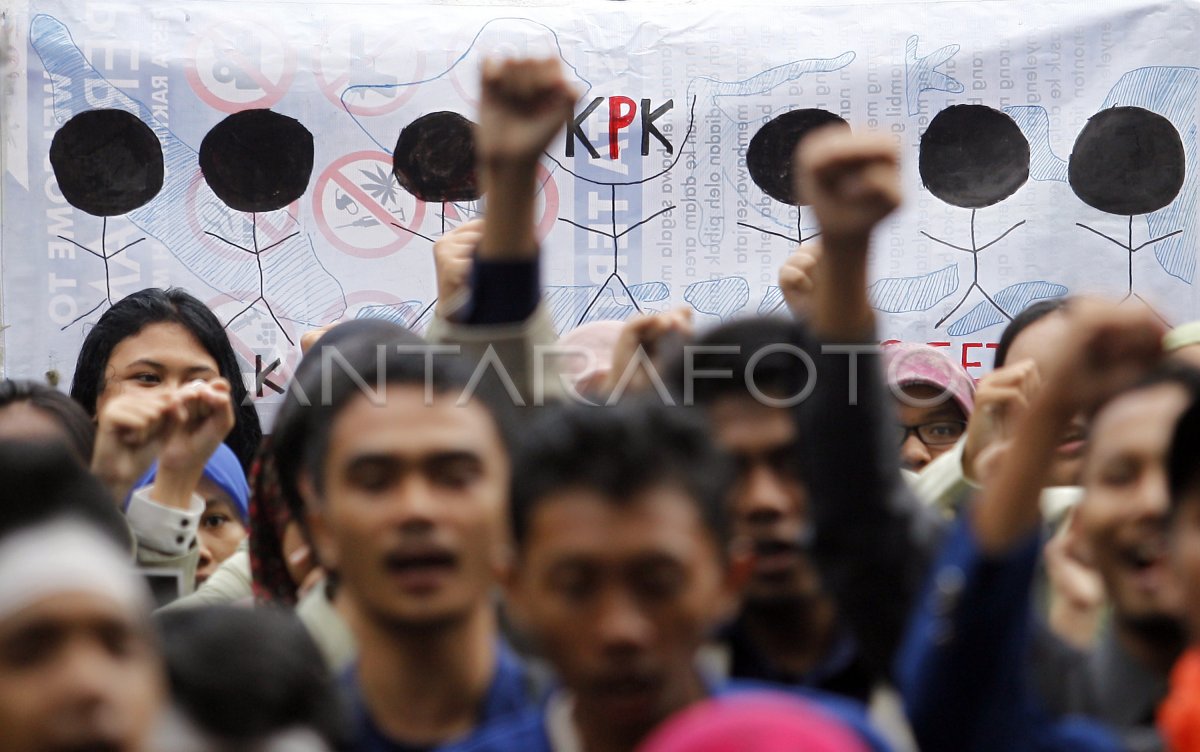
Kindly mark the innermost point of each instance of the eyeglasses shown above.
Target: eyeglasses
(937, 433)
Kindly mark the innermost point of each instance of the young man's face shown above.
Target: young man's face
(412, 510)
(77, 672)
(619, 596)
(770, 503)
(1123, 513)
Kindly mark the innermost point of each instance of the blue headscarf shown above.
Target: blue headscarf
(223, 469)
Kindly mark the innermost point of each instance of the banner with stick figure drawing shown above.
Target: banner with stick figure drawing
(292, 165)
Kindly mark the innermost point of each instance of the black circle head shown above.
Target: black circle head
(771, 153)
(434, 158)
(257, 160)
(107, 162)
(1127, 161)
(973, 156)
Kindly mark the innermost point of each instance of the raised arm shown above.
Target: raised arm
(962, 669)
(524, 103)
(180, 429)
(873, 539)
(1109, 348)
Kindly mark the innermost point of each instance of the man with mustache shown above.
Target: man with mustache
(622, 567)
(80, 667)
(406, 498)
(840, 544)
(787, 629)
(406, 485)
(1117, 459)
(964, 669)
(1121, 532)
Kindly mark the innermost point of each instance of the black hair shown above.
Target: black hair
(757, 353)
(293, 419)
(619, 451)
(1166, 373)
(133, 313)
(79, 433)
(1022, 321)
(44, 481)
(243, 674)
(339, 375)
(1183, 462)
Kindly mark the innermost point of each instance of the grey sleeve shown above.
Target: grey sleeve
(231, 583)
(515, 348)
(184, 564)
(873, 539)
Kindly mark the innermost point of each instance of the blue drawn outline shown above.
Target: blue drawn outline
(43, 28)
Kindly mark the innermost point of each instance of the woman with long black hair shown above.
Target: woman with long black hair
(155, 338)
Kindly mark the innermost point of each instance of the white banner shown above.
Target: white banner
(1049, 148)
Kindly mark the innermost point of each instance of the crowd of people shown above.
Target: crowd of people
(771, 535)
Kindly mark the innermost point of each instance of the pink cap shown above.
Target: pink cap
(588, 352)
(912, 364)
(754, 722)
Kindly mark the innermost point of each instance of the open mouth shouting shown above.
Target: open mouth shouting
(421, 569)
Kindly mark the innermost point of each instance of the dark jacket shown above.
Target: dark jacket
(873, 540)
(963, 669)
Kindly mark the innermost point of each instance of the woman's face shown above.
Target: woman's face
(221, 529)
(159, 356)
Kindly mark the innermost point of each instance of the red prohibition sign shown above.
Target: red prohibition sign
(385, 237)
(227, 68)
(333, 71)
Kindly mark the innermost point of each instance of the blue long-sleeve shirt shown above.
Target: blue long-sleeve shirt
(962, 667)
(502, 292)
